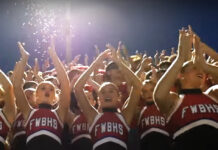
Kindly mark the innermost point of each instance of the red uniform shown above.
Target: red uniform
(19, 133)
(81, 139)
(194, 121)
(4, 129)
(46, 123)
(153, 129)
(109, 127)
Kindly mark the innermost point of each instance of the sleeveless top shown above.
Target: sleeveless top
(109, 127)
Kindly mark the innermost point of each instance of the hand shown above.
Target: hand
(156, 57)
(36, 67)
(97, 51)
(86, 60)
(154, 74)
(105, 54)
(199, 59)
(51, 49)
(172, 50)
(184, 46)
(146, 63)
(162, 55)
(113, 53)
(76, 59)
(23, 52)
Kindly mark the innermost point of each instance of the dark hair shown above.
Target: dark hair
(30, 84)
(111, 65)
(185, 65)
(164, 65)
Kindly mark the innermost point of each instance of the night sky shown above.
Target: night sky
(147, 25)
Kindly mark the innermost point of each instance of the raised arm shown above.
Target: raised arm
(199, 60)
(9, 108)
(36, 71)
(89, 111)
(21, 99)
(129, 109)
(145, 66)
(64, 101)
(164, 99)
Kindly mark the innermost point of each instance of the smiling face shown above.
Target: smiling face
(192, 76)
(108, 95)
(45, 93)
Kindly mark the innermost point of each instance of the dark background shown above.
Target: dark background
(147, 25)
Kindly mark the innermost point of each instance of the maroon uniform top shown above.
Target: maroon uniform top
(43, 121)
(80, 128)
(151, 120)
(109, 127)
(193, 110)
(4, 127)
(18, 126)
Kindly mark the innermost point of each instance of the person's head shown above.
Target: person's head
(191, 76)
(147, 90)
(53, 79)
(30, 84)
(164, 65)
(113, 72)
(30, 95)
(29, 75)
(46, 93)
(108, 95)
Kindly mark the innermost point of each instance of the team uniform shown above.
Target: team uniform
(18, 133)
(194, 122)
(81, 139)
(153, 129)
(4, 129)
(43, 129)
(109, 131)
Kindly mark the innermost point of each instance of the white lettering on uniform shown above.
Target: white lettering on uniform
(216, 107)
(194, 109)
(202, 108)
(120, 129)
(163, 121)
(78, 127)
(43, 121)
(109, 127)
(183, 111)
(49, 122)
(115, 128)
(0, 125)
(209, 108)
(37, 122)
(96, 129)
(152, 120)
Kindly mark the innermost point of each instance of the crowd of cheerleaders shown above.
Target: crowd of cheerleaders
(159, 103)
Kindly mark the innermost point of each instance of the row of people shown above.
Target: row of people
(165, 103)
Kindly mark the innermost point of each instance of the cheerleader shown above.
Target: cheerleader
(109, 129)
(192, 115)
(44, 124)
(8, 111)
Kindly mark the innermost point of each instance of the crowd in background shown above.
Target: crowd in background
(116, 102)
